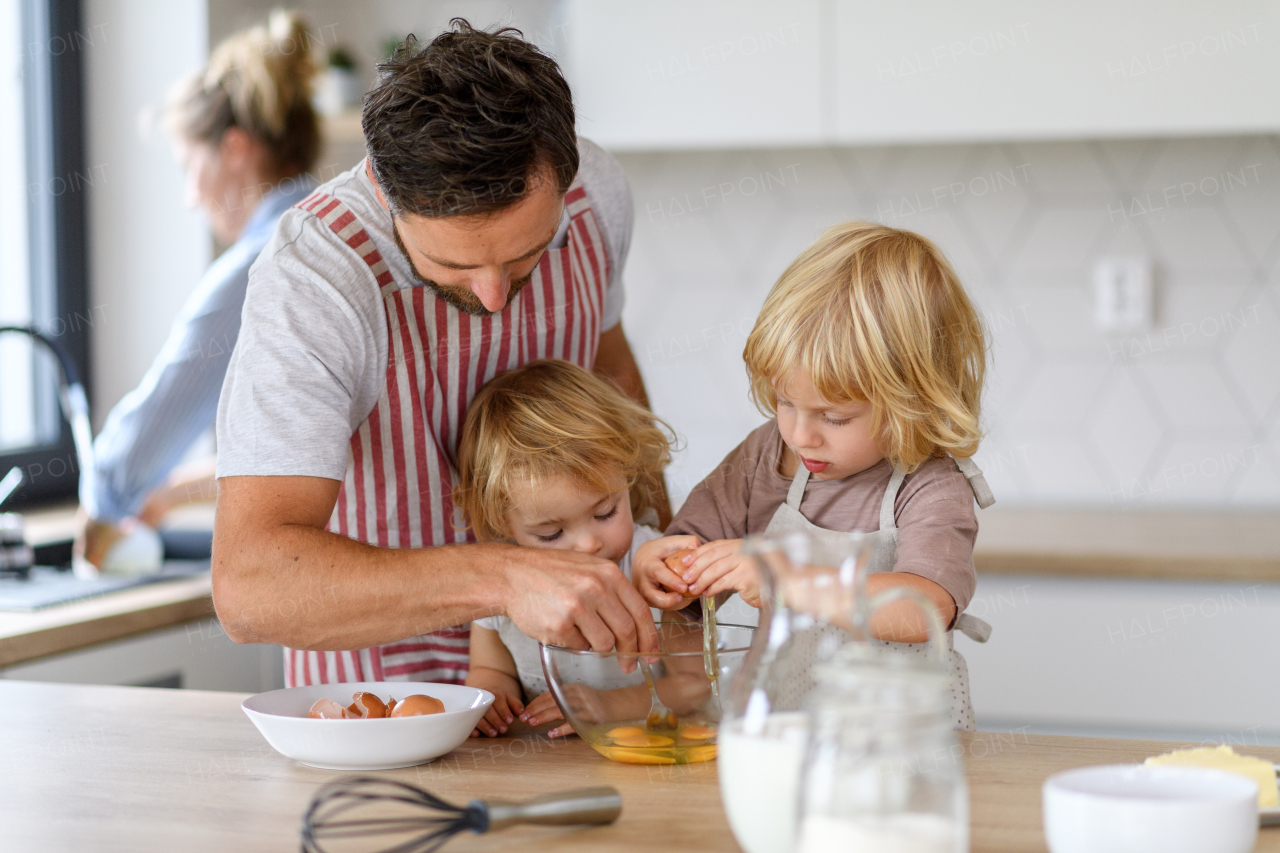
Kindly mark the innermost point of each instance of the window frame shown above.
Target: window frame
(54, 88)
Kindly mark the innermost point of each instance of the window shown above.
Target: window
(42, 247)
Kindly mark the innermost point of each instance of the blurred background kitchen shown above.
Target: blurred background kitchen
(1105, 178)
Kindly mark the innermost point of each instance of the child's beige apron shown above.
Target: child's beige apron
(788, 518)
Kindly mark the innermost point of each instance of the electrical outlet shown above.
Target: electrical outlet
(1124, 298)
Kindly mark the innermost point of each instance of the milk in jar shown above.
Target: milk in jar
(760, 781)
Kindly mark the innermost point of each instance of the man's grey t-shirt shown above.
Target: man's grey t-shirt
(311, 360)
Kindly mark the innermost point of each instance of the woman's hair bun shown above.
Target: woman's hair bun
(258, 80)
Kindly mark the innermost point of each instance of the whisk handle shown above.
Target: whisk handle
(586, 805)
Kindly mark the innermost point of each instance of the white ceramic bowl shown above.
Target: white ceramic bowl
(281, 716)
(1131, 808)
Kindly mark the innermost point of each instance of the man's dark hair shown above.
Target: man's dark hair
(458, 128)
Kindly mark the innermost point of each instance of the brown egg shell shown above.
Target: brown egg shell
(418, 705)
(367, 706)
(327, 709)
(673, 562)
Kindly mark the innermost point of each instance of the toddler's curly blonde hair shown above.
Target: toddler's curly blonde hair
(873, 313)
(551, 418)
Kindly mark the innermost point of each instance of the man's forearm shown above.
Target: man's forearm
(303, 587)
(280, 577)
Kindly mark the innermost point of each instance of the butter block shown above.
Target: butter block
(1225, 758)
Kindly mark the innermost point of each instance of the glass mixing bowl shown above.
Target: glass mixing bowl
(605, 697)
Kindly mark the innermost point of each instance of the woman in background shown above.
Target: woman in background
(247, 137)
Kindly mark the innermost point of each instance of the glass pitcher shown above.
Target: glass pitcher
(810, 582)
(883, 770)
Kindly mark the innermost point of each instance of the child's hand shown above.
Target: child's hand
(501, 713)
(721, 567)
(543, 710)
(656, 583)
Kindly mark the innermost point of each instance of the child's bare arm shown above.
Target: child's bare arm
(493, 669)
(902, 621)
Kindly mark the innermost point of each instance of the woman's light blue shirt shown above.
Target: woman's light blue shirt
(153, 426)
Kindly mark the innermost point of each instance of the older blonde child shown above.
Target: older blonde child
(550, 456)
(869, 358)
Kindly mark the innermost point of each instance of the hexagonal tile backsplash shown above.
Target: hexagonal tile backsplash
(1184, 414)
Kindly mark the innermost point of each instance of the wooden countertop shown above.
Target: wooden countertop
(66, 627)
(127, 768)
(1164, 545)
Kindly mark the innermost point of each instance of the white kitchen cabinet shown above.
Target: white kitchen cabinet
(1001, 69)
(197, 655)
(670, 75)
(674, 74)
(1138, 658)
(1149, 659)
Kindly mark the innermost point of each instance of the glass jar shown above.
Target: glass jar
(809, 582)
(883, 771)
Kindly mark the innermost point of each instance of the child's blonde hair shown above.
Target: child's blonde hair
(875, 313)
(546, 419)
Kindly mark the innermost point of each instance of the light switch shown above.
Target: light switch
(1124, 298)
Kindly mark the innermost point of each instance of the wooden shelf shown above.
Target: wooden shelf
(343, 128)
(1154, 545)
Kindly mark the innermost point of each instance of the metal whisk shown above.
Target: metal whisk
(327, 816)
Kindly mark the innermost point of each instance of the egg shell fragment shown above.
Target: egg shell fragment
(673, 562)
(417, 705)
(327, 709)
(367, 706)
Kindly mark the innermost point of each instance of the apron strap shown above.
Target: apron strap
(795, 494)
(977, 482)
(890, 496)
(972, 627)
(342, 222)
(887, 535)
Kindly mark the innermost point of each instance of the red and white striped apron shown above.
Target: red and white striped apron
(398, 489)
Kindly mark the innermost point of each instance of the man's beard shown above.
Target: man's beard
(459, 296)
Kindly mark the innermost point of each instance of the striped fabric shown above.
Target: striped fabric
(399, 481)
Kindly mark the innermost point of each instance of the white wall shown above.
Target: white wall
(1187, 414)
(146, 250)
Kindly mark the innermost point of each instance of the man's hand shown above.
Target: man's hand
(657, 583)
(280, 577)
(579, 601)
